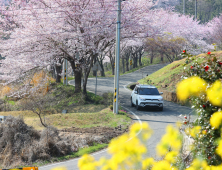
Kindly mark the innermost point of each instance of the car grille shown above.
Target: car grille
(151, 99)
(149, 103)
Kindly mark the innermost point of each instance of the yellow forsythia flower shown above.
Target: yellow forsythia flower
(171, 140)
(219, 148)
(214, 93)
(179, 124)
(163, 165)
(192, 86)
(87, 162)
(171, 156)
(148, 162)
(144, 128)
(59, 168)
(216, 119)
(195, 131)
(198, 164)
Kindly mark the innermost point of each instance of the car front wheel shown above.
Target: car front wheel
(137, 106)
(161, 108)
(132, 102)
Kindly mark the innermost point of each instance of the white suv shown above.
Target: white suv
(146, 95)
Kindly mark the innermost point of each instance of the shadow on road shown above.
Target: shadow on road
(144, 120)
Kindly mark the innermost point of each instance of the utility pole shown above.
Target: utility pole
(195, 9)
(184, 7)
(116, 78)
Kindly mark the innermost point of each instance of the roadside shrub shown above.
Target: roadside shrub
(22, 143)
(122, 112)
(111, 107)
(201, 87)
(107, 98)
(97, 99)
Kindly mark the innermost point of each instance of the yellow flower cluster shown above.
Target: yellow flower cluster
(214, 93)
(219, 148)
(170, 141)
(195, 86)
(195, 131)
(216, 119)
(192, 86)
(129, 152)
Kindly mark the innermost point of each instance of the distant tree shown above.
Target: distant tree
(206, 9)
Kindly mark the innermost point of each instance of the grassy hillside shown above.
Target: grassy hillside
(167, 77)
(104, 118)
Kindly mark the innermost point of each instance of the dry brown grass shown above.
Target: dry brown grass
(4, 90)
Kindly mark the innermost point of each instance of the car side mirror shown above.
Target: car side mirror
(161, 93)
(135, 92)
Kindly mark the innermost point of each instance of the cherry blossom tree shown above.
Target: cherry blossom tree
(48, 30)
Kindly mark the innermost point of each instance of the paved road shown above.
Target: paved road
(158, 120)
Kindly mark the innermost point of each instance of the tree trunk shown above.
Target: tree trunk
(102, 67)
(102, 73)
(86, 75)
(169, 58)
(113, 69)
(94, 72)
(58, 69)
(140, 53)
(78, 76)
(135, 59)
(161, 56)
(112, 61)
(140, 60)
(127, 63)
(151, 58)
(123, 63)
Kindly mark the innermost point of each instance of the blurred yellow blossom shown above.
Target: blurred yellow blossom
(216, 119)
(219, 148)
(148, 162)
(214, 93)
(163, 165)
(87, 162)
(192, 86)
(171, 156)
(59, 168)
(195, 131)
(143, 127)
(204, 132)
(187, 131)
(179, 124)
(198, 164)
(128, 152)
(171, 140)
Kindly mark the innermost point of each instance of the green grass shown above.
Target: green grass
(79, 153)
(168, 77)
(11, 102)
(103, 118)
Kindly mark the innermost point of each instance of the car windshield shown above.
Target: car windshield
(148, 91)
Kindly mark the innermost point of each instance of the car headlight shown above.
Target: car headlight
(142, 99)
(161, 99)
